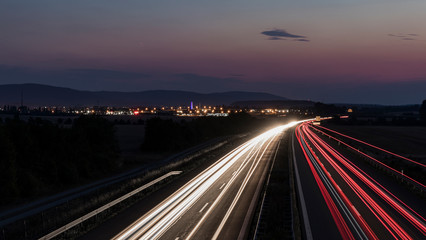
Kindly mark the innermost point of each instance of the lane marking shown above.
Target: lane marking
(223, 185)
(332, 191)
(205, 205)
(249, 214)
(252, 154)
(308, 231)
(243, 186)
(183, 198)
(106, 206)
(162, 217)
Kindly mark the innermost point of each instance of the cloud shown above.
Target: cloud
(405, 37)
(281, 34)
(302, 40)
(276, 38)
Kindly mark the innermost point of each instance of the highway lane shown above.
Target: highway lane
(387, 181)
(317, 215)
(215, 203)
(230, 197)
(360, 206)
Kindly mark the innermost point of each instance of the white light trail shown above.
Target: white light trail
(157, 221)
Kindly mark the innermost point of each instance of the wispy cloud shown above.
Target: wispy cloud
(281, 34)
(276, 38)
(405, 36)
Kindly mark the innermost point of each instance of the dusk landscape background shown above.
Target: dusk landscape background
(331, 51)
(195, 119)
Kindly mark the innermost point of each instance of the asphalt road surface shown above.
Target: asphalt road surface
(343, 199)
(218, 203)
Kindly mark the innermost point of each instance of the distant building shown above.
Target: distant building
(317, 120)
(217, 114)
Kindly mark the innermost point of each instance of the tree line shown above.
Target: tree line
(169, 135)
(38, 157)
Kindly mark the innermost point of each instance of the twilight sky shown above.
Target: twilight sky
(358, 51)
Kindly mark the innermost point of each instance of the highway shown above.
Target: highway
(219, 202)
(344, 198)
(48, 203)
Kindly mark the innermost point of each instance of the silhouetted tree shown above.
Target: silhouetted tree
(8, 178)
(68, 121)
(168, 135)
(97, 143)
(422, 112)
(37, 157)
(327, 109)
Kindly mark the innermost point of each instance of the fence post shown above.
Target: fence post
(42, 221)
(25, 229)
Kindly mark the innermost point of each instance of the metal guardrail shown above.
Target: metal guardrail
(13, 215)
(376, 162)
(106, 206)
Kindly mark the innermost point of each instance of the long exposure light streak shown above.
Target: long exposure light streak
(315, 149)
(377, 161)
(157, 221)
(354, 213)
(365, 198)
(373, 146)
(338, 219)
(392, 200)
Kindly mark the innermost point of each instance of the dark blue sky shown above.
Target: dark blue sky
(333, 50)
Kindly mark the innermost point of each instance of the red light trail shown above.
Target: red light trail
(357, 187)
(373, 146)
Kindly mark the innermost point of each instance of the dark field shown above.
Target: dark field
(407, 141)
(130, 138)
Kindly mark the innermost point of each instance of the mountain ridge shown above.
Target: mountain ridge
(35, 95)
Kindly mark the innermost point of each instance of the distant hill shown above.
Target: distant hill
(274, 104)
(35, 95)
